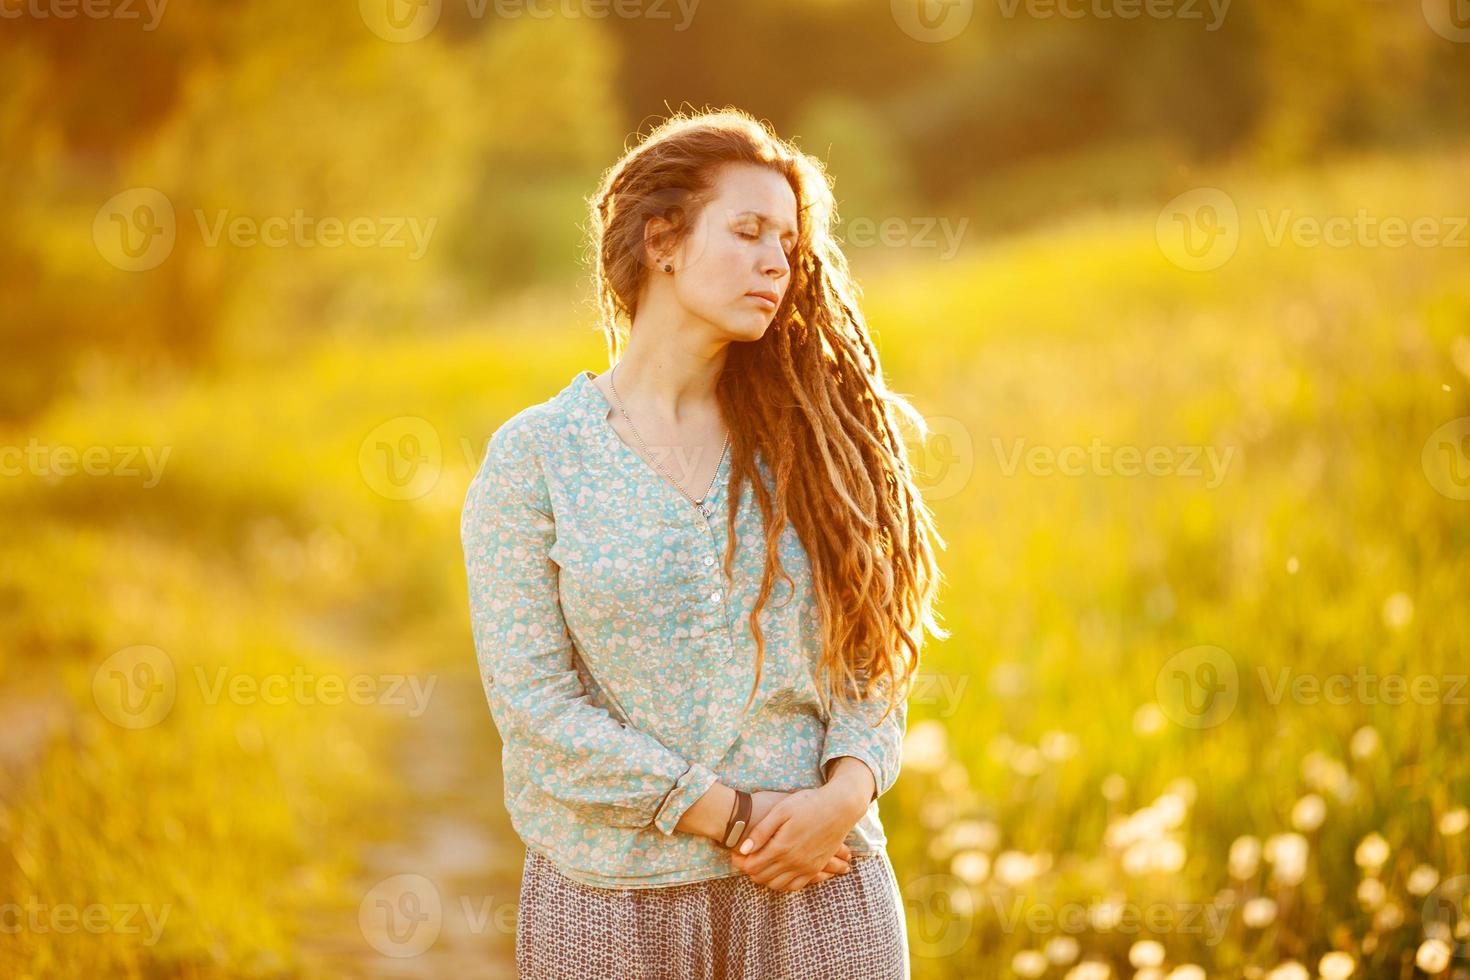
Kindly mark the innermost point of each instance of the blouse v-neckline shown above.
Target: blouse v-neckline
(600, 405)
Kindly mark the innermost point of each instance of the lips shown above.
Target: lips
(766, 295)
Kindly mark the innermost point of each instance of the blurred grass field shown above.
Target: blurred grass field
(1051, 764)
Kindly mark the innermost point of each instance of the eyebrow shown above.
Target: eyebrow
(768, 220)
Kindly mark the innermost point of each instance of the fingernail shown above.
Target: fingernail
(745, 848)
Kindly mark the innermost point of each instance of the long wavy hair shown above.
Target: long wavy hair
(809, 395)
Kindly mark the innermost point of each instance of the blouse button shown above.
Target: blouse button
(714, 597)
(709, 560)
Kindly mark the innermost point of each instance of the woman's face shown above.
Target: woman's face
(742, 243)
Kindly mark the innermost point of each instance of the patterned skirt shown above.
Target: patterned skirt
(847, 927)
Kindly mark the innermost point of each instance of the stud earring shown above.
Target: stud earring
(668, 268)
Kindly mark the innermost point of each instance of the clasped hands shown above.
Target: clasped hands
(799, 838)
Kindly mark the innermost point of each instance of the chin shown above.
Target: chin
(746, 329)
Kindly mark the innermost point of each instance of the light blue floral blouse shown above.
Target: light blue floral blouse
(616, 659)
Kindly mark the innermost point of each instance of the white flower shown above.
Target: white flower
(1288, 856)
(1365, 742)
(1371, 853)
(1398, 611)
(926, 746)
(1014, 868)
(1146, 952)
(1062, 950)
(1336, 966)
(1245, 856)
(1259, 912)
(1288, 970)
(1389, 917)
(1371, 893)
(1422, 880)
(1028, 963)
(1058, 746)
(1308, 813)
(1454, 821)
(1433, 956)
(971, 867)
(981, 835)
(1149, 719)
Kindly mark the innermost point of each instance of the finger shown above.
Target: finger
(821, 877)
(773, 855)
(837, 866)
(762, 832)
(781, 882)
(844, 851)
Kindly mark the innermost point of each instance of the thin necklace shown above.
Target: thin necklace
(703, 507)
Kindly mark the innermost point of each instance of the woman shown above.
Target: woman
(692, 762)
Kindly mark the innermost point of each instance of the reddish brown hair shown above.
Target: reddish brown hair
(809, 395)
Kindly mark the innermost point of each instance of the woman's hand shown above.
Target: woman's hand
(798, 838)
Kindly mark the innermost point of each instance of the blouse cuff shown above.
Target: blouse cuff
(688, 788)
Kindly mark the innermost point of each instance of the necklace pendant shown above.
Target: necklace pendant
(704, 509)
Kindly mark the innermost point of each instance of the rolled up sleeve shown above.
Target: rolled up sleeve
(571, 748)
(858, 729)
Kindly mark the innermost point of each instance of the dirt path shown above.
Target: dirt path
(440, 900)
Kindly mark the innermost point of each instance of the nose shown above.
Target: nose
(774, 263)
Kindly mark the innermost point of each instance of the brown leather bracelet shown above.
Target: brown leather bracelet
(739, 818)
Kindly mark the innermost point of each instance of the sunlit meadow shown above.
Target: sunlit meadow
(1203, 712)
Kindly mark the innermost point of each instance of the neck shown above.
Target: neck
(674, 382)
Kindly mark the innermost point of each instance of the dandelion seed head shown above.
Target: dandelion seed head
(1245, 856)
(1433, 956)
(1422, 880)
(1062, 950)
(1288, 970)
(1146, 952)
(1259, 912)
(1371, 853)
(1028, 963)
(1398, 611)
(1454, 821)
(1365, 742)
(971, 867)
(1336, 965)
(1308, 813)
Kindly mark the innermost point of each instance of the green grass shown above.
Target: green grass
(1322, 547)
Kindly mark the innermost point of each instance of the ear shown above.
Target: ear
(656, 250)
